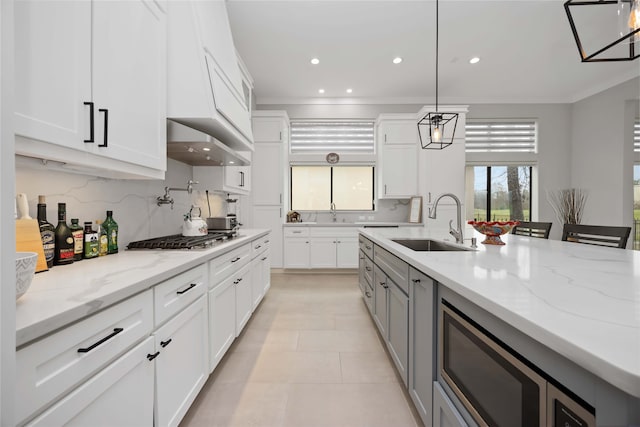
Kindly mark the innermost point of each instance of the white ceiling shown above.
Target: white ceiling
(526, 47)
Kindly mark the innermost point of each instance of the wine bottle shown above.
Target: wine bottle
(78, 239)
(47, 232)
(103, 241)
(91, 244)
(64, 238)
(111, 227)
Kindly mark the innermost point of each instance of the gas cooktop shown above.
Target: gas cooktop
(178, 241)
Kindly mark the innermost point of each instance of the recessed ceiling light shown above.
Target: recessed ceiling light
(397, 60)
(349, 90)
(320, 90)
(474, 60)
(206, 149)
(315, 61)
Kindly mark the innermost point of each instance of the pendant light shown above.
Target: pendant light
(437, 129)
(621, 17)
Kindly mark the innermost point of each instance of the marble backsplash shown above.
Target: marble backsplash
(133, 202)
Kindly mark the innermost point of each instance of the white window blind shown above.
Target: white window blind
(484, 136)
(324, 136)
(636, 137)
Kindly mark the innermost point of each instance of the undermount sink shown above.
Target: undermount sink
(428, 245)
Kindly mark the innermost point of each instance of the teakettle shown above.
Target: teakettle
(194, 225)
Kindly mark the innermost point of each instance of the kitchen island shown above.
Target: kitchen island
(564, 306)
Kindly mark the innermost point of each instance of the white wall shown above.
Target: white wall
(602, 153)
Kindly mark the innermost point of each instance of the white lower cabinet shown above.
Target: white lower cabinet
(120, 395)
(320, 247)
(260, 270)
(445, 413)
(222, 320)
(244, 301)
(181, 362)
(296, 252)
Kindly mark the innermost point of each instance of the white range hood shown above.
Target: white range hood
(204, 84)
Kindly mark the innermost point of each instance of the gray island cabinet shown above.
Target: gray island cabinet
(569, 311)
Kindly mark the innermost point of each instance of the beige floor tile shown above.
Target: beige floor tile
(265, 340)
(297, 367)
(354, 322)
(352, 405)
(238, 405)
(339, 341)
(367, 368)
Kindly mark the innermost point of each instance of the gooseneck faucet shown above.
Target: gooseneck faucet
(457, 233)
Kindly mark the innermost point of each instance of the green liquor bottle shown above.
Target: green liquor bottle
(91, 241)
(111, 227)
(47, 232)
(78, 239)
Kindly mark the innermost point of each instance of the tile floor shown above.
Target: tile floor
(310, 356)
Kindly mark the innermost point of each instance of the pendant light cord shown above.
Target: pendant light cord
(436, 56)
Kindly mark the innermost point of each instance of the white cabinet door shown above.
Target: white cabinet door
(119, 395)
(53, 44)
(322, 252)
(347, 252)
(257, 281)
(270, 217)
(421, 344)
(269, 129)
(398, 132)
(267, 172)
(296, 252)
(265, 262)
(222, 320)
(244, 303)
(129, 81)
(181, 362)
(399, 171)
(445, 413)
(237, 178)
(398, 342)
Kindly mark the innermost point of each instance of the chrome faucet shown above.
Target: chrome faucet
(333, 211)
(457, 233)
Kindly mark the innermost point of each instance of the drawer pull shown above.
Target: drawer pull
(297, 232)
(115, 332)
(263, 259)
(368, 247)
(416, 281)
(235, 259)
(384, 285)
(153, 356)
(367, 268)
(257, 247)
(368, 294)
(240, 280)
(91, 122)
(191, 286)
(165, 343)
(266, 241)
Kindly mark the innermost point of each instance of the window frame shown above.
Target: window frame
(488, 186)
(373, 186)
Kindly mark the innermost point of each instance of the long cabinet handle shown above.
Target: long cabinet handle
(106, 126)
(191, 286)
(153, 356)
(91, 123)
(416, 281)
(165, 343)
(235, 259)
(263, 259)
(115, 332)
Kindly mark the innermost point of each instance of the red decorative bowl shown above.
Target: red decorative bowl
(493, 230)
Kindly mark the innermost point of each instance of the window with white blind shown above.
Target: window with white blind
(325, 136)
(493, 136)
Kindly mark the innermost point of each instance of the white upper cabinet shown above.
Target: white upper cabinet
(91, 85)
(397, 141)
(205, 89)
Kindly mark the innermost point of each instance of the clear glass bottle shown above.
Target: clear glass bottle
(47, 232)
(64, 238)
(111, 227)
(78, 239)
(103, 241)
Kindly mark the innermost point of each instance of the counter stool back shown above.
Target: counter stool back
(600, 235)
(532, 229)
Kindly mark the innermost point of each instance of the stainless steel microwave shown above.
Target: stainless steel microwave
(499, 387)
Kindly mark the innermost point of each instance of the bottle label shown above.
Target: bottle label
(78, 245)
(66, 253)
(103, 245)
(48, 244)
(91, 245)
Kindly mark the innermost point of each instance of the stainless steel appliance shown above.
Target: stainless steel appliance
(178, 241)
(498, 386)
(222, 223)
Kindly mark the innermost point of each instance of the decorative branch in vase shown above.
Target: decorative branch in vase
(568, 204)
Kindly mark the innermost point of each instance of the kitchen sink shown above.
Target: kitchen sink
(429, 245)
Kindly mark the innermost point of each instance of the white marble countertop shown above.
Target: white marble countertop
(68, 293)
(580, 301)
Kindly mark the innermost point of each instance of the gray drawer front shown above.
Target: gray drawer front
(366, 246)
(394, 267)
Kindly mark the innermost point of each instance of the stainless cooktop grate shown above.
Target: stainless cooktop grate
(178, 241)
